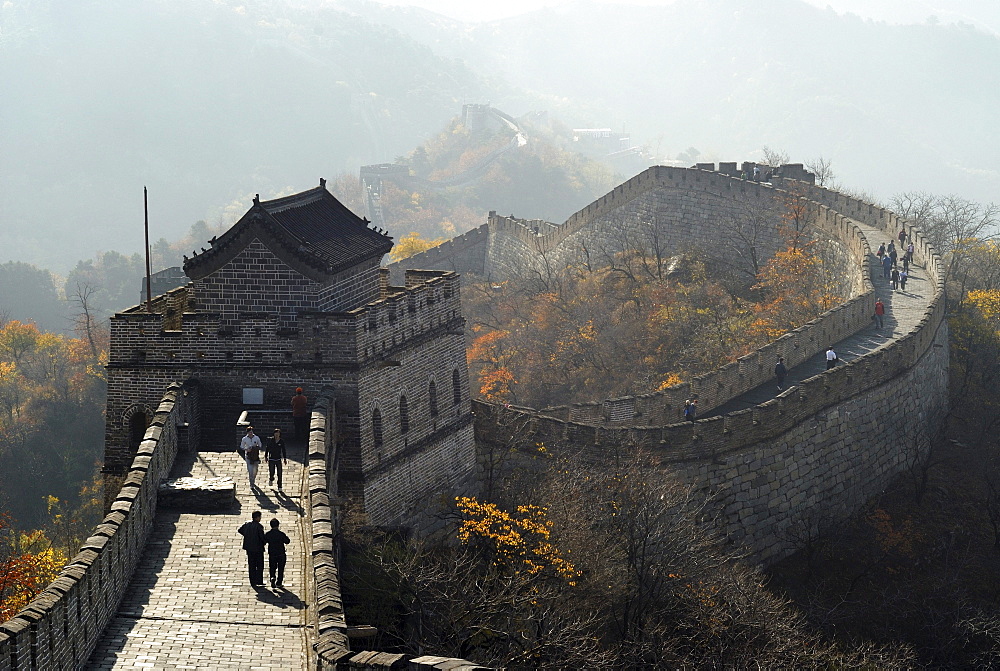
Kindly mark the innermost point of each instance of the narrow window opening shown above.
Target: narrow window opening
(404, 415)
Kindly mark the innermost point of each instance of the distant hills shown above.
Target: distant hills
(208, 102)
(203, 102)
(895, 107)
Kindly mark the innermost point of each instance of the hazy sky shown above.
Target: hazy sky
(982, 13)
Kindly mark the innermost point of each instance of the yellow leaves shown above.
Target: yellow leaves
(518, 540)
(987, 301)
(670, 380)
(26, 572)
(484, 347)
(99, 369)
(496, 380)
(17, 339)
(411, 244)
(795, 290)
(495, 385)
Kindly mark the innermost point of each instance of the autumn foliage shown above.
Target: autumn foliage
(411, 244)
(519, 540)
(52, 391)
(28, 563)
(592, 333)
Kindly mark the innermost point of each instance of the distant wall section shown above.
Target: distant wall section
(674, 209)
(816, 452)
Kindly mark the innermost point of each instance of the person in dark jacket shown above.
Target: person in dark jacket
(691, 409)
(276, 541)
(886, 266)
(780, 372)
(274, 452)
(253, 544)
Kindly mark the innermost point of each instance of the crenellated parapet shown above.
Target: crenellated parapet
(60, 627)
(172, 337)
(819, 449)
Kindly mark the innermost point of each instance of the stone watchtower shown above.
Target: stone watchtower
(294, 295)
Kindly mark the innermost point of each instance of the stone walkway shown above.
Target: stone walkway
(190, 604)
(903, 311)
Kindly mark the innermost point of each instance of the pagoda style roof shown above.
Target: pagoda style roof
(311, 231)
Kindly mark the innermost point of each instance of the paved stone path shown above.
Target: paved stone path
(903, 311)
(190, 604)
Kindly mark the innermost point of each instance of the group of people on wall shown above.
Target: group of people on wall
(896, 269)
(273, 451)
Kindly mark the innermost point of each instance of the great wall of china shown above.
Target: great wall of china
(819, 449)
(822, 447)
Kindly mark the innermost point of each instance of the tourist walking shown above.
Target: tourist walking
(691, 409)
(250, 449)
(881, 252)
(909, 252)
(903, 276)
(274, 453)
(894, 281)
(300, 414)
(893, 254)
(253, 544)
(906, 262)
(879, 312)
(780, 372)
(831, 358)
(902, 237)
(886, 266)
(276, 541)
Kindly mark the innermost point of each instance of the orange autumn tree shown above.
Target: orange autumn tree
(794, 290)
(601, 331)
(52, 390)
(28, 563)
(410, 244)
(517, 541)
(493, 353)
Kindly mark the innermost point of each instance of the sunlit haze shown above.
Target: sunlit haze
(980, 13)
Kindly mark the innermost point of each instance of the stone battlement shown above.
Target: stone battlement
(175, 336)
(822, 447)
(61, 626)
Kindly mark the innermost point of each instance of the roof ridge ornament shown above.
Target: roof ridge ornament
(322, 183)
(256, 199)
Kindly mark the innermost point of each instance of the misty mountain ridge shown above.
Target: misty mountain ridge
(206, 102)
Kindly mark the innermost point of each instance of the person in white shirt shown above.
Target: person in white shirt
(250, 446)
(831, 358)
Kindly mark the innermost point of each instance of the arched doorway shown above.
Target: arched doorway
(138, 422)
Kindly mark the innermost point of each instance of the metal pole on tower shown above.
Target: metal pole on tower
(149, 290)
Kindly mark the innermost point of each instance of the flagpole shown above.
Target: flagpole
(149, 291)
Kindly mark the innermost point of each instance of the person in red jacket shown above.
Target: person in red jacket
(300, 415)
(879, 312)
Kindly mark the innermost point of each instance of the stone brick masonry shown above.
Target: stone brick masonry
(817, 451)
(371, 356)
(820, 449)
(61, 626)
